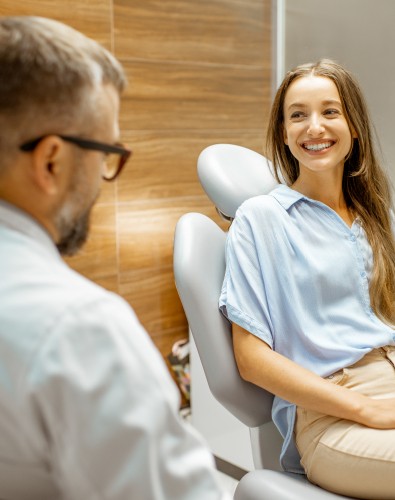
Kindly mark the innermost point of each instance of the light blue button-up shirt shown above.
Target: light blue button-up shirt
(297, 277)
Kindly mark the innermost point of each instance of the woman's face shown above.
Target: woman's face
(315, 127)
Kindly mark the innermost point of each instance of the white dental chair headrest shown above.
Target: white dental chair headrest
(231, 174)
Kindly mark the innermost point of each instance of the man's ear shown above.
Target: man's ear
(46, 163)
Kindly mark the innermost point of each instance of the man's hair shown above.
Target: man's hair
(49, 74)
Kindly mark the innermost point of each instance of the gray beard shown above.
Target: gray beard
(73, 234)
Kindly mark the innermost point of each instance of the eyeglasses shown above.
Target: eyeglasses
(116, 154)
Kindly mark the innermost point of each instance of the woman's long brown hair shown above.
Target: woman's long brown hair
(366, 186)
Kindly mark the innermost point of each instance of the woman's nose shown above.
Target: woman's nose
(315, 125)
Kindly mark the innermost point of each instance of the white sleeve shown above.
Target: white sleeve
(110, 412)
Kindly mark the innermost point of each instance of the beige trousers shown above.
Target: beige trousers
(343, 456)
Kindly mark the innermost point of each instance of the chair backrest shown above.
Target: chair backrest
(230, 174)
(199, 267)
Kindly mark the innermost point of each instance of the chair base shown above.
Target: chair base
(274, 485)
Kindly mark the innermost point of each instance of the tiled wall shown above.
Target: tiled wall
(200, 73)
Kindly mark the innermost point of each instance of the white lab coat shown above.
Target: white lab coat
(88, 409)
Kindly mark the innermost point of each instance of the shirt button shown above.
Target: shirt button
(363, 274)
(352, 238)
(393, 337)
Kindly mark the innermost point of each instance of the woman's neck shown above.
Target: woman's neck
(327, 190)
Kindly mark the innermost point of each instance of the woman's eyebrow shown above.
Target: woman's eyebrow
(327, 102)
(297, 105)
(331, 101)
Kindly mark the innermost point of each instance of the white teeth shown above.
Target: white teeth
(317, 147)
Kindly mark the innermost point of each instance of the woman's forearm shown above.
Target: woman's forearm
(260, 365)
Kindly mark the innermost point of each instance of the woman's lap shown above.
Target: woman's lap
(346, 457)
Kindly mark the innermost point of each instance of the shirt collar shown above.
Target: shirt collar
(16, 219)
(286, 196)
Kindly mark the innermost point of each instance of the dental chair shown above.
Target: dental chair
(231, 174)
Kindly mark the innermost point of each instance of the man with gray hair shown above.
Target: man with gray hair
(87, 407)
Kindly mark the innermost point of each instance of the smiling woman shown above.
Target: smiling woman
(360, 189)
(309, 287)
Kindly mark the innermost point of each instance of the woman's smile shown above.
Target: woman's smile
(318, 147)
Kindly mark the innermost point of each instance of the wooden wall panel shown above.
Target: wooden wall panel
(210, 31)
(146, 231)
(163, 165)
(169, 96)
(92, 17)
(199, 74)
(154, 299)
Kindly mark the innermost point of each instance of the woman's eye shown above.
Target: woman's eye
(297, 115)
(332, 112)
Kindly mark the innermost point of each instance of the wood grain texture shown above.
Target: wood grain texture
(146, 231)
(91, 17)
(164, 163)
(209, 31)
(172, 96)
(155, 299)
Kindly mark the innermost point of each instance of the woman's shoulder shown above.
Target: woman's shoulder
(263, 218)
(265, 204)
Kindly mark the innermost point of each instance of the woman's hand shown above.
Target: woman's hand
(260, 365)
(378, 413)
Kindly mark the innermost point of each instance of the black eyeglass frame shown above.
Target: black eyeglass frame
(119, 149)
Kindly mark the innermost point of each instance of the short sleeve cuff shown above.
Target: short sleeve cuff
(248, 323)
